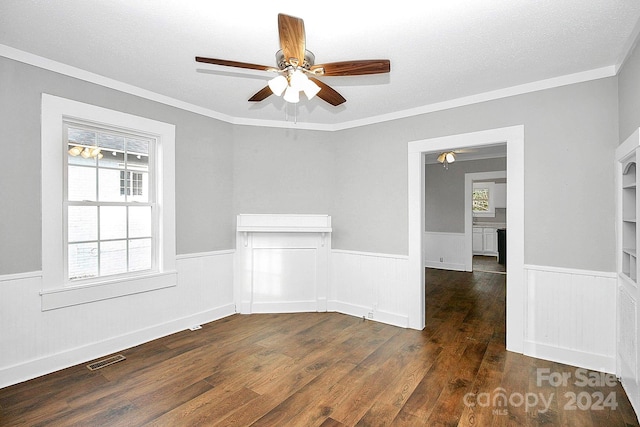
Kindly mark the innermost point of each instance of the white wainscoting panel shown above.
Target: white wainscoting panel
(444, 250)
(36, 342)
(371, 285)
(571, 317)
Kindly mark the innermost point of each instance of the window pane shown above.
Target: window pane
(76, 155)
(111, 159)
(137, 146)
(83, 260)
(139, 254)
(81, 183)
(113, 222)
(139, 186)
(109, 186)
(83, 223)
(110, 142)
(81, 147)
(113, 257)
(140, 221)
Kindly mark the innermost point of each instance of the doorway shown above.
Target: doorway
(516, 297)
(470, 220)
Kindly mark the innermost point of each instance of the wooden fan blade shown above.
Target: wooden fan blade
(235, 64)
(327, 93)
(292, 38)
(262, 94)
(353, 68)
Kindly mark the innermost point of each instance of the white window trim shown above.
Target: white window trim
(54, 293)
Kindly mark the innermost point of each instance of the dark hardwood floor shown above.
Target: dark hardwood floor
(329, 369)
(488, 264)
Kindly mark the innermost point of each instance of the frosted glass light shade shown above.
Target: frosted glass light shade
(311, 89)
(451, 157)
(298, 80)
(278, 85)
(291, 95)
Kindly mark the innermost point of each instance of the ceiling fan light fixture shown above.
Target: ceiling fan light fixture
(451, 157)
(298, 80)
(291, 95)
(442, 157)
(311, 89)
(278, 85)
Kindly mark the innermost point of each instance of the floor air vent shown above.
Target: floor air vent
(106, 362)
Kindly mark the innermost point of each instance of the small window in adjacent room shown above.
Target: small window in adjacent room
(109, 206)
(483, 204)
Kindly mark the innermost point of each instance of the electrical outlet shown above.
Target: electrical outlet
(370, 315)
(441, 259)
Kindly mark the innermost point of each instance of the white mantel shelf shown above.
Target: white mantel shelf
(278, 223)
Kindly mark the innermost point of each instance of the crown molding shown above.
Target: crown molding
(67, 70)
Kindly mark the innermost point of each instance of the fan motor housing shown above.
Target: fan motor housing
(309, 60)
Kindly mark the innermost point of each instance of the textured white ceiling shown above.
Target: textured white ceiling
(439, 49)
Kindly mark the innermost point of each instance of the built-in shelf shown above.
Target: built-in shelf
(629, 259)
(627, 245)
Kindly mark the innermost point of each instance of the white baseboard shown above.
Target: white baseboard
(594, 362)
(361, 311)
(35, 368)
(445, 265)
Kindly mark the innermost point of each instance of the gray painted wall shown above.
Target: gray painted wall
(359, 176)
(570, 136)
(629, 94)
(444, 193)
(204, 170)
(282, 171)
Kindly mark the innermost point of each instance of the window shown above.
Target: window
(483, 199)
(108, 203)
(130, 183)
(110, 212)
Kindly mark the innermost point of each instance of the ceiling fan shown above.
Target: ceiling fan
(296, 68)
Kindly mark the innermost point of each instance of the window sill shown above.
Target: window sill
(65, 297)
(484, 214)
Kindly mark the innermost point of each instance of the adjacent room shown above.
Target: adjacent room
(305, 214)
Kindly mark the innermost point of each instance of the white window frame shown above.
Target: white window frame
(93, 127)
(57, 291)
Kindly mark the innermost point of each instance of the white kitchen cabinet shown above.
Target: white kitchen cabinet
(477, 240)
(485, 241)
(490, 241)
